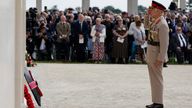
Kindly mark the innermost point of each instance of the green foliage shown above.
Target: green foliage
(112, 9)
(189, 4)
(141, 9)
(54, 8)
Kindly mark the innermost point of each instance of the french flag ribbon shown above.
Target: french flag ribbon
(33, 85)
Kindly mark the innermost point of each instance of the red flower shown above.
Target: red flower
(27, 96)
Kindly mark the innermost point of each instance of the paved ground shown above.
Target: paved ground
(109, 86)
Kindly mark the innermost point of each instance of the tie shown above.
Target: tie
(173, 23)
(63, 25)
(182, 39)
(142, 34)
(81, 24)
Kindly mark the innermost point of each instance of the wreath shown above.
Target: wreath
(28, 98)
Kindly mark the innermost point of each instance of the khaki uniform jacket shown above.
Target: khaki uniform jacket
(159, 33)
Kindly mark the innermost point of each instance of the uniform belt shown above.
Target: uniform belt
(153, 43)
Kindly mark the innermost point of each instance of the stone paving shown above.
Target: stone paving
(110, 86)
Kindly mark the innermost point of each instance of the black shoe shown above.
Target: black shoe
(155, 105)
(165, 65)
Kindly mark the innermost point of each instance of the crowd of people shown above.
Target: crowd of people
(102, 36)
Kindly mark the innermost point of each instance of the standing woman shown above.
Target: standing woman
(90, 42)
(120, 43)
(140, 37)
(98, 34)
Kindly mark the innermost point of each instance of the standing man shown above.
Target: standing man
(80, 38)
(109, 37)
(63, 29)
(157, 53)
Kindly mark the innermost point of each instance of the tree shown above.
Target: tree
(141, 9)
(189, 4)
(54, 8)
(112, 9)
(118, 11)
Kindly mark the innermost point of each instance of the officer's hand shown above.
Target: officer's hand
(158, 63)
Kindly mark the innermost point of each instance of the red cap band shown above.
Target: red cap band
(158, 7)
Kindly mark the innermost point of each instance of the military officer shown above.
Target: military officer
(157, 53)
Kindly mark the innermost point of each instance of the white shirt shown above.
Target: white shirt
(102, 35)
(133, 27)
(81, 23)
(139, 35)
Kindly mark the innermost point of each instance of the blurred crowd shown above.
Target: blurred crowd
(102, 36)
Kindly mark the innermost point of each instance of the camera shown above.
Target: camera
(33, 12)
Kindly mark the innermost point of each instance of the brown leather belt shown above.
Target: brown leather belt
(153, 43)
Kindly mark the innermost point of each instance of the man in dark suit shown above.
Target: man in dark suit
(190, 49)
(171, 28)
(189, 34)
(109, 37)
(180, 42)
(173, 23)
(30, 44)
(80, 38)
